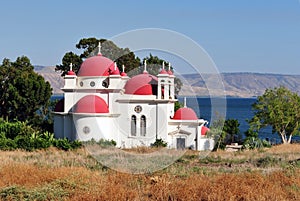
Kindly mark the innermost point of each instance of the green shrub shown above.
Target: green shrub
(159, 143)
(20, 135)
(7, 144)
(107, 143)
(255, 143)
(63, 144)
(13, 129)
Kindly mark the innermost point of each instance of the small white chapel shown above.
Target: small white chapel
(100, 102)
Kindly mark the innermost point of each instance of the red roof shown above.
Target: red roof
(204, 130)
(185, 113)
(91, 104)
(163, 71)
(71, 72)
(96, 66)
(142, 84)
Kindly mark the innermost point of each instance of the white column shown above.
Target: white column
(159, 89)
(166, 91)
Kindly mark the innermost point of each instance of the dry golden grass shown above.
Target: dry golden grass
(60, 175)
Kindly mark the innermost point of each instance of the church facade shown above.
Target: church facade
(100, 102)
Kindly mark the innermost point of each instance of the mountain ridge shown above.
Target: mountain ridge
(236, 84)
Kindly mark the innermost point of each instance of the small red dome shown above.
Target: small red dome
(123, 74)
(96, 66)
(185, 113)
(71, 72)
(163, 71)
(91, 104)
(170, 72)
(142, 84)
(115, 72)
(60, 106)
(204, 130)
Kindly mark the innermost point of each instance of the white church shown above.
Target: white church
(100, 102)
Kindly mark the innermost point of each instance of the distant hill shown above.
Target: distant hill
(240, 84)
(235, 84)
(48, 72)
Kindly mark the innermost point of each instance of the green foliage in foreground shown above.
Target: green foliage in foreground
(21, 135)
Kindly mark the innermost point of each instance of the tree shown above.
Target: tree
(280, 109)
(23, 92)
(231, 127)
(69, 58)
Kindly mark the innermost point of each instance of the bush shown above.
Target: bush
(107, 143)
(20, 135)
(7, 144)
(159, 143)
(63, 144)
(13, 129)
(255, 143)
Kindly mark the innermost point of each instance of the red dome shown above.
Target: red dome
(96, 66)
(60, 106)
(204, 130)
(142, 84)
(115, 72)
(71, 72)
(170, 72)
(185, 113)
(91, 104)
(163, 71)
(123, 74)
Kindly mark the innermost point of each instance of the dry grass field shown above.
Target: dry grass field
(270, 174)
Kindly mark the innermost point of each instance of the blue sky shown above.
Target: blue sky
(239, 35)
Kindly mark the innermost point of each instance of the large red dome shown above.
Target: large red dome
(96, 66)
(185, 113)
(91, 104)
(142, 84)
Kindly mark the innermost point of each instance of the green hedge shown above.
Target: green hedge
(20, 135)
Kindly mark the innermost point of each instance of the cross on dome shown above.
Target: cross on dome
(99, 48)
(163, 65)
(145, 67)
(169, 66)
(115, 65)
(123, 68)
(184, 102)
(71, 66)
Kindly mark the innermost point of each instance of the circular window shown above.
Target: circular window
(92, 83)
(81, 84)
(138, 109)
(86, 130)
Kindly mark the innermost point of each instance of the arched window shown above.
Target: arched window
(143, 125)
(133, 125)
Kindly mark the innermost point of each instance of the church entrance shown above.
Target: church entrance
(180, 143)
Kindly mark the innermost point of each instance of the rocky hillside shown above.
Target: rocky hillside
(51, 76)
(239, 84)
(235, 84)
